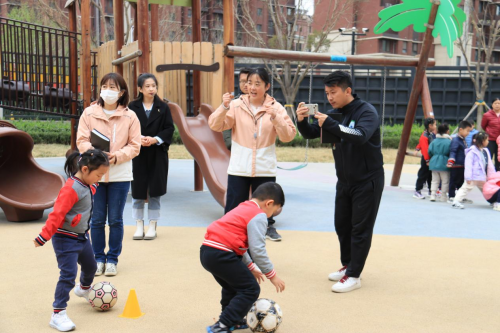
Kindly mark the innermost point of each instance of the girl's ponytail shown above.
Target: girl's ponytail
(92, 159)
(479, 138)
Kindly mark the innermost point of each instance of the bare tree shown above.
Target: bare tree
(486, 30)
(286, 37)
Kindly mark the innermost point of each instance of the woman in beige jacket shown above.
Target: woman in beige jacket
(256, 120)
(111, 117)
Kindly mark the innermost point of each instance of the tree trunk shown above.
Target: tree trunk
(480, 111)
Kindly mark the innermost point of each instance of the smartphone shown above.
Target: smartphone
(313, 109)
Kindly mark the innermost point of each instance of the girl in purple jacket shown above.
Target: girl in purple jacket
(478, 166)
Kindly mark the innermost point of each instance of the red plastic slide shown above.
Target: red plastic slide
(26, 189)
(207, 148)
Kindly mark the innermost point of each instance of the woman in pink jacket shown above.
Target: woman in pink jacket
(256, 120)
(111, 117)
(491, 190)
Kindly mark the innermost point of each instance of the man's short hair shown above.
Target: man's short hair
(464, 124)
(244, 70)
(339, 79)
(270, 191)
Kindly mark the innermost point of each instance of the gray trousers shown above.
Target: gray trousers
(153, 208)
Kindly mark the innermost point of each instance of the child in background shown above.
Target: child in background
(473, 132)
(69, 224)
(456, 161)
(478, 167)
(224, 253)
(439, 151)
(424, 174)
(491, 190)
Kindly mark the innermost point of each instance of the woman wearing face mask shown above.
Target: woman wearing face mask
(111, 117)
(256, 120)
(151, 166)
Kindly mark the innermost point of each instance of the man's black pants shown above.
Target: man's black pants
(456, 181)
(238, 189)
(356, 209)
(493, 148)
(424, 175)
(240, 289)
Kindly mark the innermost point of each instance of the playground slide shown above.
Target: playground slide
(207, 148)
(26, 189)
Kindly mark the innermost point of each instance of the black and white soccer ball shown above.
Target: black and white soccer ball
(103, 296)
(264, 316)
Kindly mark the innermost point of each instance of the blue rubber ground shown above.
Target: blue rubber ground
(310, 204)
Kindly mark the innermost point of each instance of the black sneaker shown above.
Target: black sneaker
(215, 328)
(272, 234)
(241, 325)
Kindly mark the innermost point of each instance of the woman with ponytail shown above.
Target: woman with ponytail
(111, 118)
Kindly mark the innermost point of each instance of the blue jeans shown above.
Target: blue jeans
(109, 201)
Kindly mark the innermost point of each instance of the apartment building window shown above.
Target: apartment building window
(189, 12)
(172, 16)
(482, 6)
(387, 46)
(388, 3)
(415, 48)
(259, 27)
(498, 10)
(475, 55)
(172, 35)
(259, 11)
(289, 11)
(458, 61)
(189, 31)
(405, 47)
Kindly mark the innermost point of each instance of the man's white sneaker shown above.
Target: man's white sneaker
(61, 322)
(110, 269)
(100, 268)
(346, 284)
(457, 205)
(496, 206)
(433, 198)
(451, 200)
(467, 201)
(336, 276)
(81, 292)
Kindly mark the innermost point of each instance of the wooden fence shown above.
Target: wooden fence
(172, 84)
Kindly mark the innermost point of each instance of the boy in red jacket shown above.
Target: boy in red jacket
(424, 174)
(225, 254)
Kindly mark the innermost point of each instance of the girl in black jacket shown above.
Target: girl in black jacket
(150, 168)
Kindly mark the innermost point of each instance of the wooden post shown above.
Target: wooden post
(73, 68)
(155, 28)
(426, 100)
(143, 35)
(196, 32)
(228, 22)
(119, 32)
(86, 56)
(415, 93)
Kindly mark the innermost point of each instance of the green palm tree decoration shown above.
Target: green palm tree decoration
(448, 25)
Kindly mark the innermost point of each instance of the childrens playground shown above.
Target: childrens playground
(429, 268)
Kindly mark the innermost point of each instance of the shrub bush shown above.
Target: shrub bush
(60, 132)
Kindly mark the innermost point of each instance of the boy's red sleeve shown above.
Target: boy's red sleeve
(424, 147)
(65, 201)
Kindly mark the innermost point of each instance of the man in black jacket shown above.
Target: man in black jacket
(360, 173)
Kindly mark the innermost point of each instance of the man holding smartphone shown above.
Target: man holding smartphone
(360, 173)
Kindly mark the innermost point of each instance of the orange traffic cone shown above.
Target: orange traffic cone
(132, 309)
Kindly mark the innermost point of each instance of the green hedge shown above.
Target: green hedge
(60, 132)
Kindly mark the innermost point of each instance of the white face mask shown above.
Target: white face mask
(109, 96)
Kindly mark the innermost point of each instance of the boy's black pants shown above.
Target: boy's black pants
(240, 289)
(424, 175)
(356, 209)
(238, 189)
(456, 180)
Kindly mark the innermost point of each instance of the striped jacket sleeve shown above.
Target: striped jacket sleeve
(65, 201)
(256, 229)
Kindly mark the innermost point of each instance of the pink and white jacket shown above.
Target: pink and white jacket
(253, 147)
(492, 185)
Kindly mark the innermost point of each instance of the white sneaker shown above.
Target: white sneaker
(151, 234)
(110, 269)
(451, 200)
(336, 276)
(457, 205)
(81, 292)
(100, 268)
(433, 198)
(139, 231)
(496, 206)
(61, 322)
(346, 284)
(467, 201)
